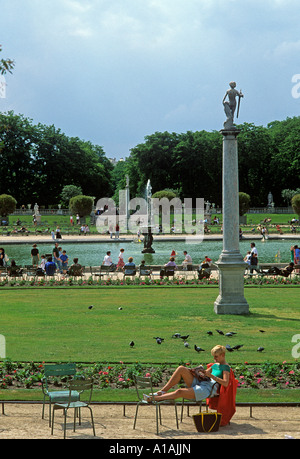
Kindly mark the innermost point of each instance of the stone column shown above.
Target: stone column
(231, 265)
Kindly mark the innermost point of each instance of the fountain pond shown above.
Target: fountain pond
(92, 254)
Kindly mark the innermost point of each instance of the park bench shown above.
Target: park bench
(57, 396)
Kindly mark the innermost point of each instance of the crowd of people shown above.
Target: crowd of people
(59, 262)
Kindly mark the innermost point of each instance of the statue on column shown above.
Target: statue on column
(230, 105)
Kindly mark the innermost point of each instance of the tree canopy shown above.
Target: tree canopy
(37, 161)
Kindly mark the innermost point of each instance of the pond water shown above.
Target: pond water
(92, 254)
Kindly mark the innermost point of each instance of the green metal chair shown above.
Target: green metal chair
(55, 371)
(78, 385)
(144, 385)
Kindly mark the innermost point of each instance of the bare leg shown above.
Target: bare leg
(187, 393)
(180, 372)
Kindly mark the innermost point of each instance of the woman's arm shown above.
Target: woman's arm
(222, 381)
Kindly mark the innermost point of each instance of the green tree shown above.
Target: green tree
(7, 205)
(169, 194)
(81, 205)
(37, 161)
(255, 150)
(244, 203)
(296, 203)
(68, 192)
(6, 65)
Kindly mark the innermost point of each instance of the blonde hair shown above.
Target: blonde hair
(218, 350)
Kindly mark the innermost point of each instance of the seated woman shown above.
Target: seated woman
(129, 267)
(75, 269)
(144, 270)
(13, 270)
(169, 268)
(285, 272)
(197, 389)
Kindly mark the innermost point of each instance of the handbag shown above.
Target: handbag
(207, 422)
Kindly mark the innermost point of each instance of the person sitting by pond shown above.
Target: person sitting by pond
(204, 268)
(144, 270)
(285, 272)
(50, 267)
(75, 269)
(169, 268)
(217, 383)
(187, 262)
(13, 270)
(129, 267)
(108, 261)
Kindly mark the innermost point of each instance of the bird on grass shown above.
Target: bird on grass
(158, 339)
(229, 348)
(220, 332)
(184, 337)
(91, 307)
(176, 335)
(210, 333)
(131, 344)
(260, 349)
(186, 344)
(237, 347)
(198, 349)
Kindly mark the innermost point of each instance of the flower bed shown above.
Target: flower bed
(180, 281)
(14, 375)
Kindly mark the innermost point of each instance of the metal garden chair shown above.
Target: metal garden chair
(55, 371)
(80, 386)
(142, 385)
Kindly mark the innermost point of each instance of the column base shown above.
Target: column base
(231, 298)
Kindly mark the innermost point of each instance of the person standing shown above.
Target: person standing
(121, 260)
(297, 257)
(56, 258)
(35, 256)
(253, 258)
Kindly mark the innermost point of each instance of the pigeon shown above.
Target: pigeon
(262, 331)
(90, 307)
(229, 348)
(186, 344)
(210, 333)
(131, 344)
(260, 349)
(184, 337)
(176, 335)
(198, 349)
(237, 347)
(159, 340)
(229, 334)
(120, 309)
(220, 332)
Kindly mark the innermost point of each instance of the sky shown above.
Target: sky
(114, 71)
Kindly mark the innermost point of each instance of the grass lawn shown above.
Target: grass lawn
(129, 395)
(56, 325)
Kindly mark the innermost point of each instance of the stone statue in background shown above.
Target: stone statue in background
(230, 105)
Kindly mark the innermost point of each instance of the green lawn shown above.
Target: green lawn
(56, 324)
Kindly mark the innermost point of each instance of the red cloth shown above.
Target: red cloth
(225, 402)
